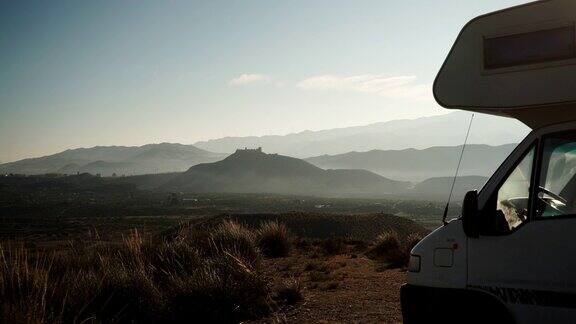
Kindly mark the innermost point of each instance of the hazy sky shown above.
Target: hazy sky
(85, 73)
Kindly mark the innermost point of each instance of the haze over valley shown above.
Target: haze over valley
(408, 158)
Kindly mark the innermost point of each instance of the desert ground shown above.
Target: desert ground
(355, 290)
(296, 259)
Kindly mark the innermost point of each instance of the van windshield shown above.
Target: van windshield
(557, 190)
(512, 197)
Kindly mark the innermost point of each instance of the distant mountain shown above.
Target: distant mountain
(107, 160)
(252, 171)
(439, 188)
(444, 130)
(417, 165)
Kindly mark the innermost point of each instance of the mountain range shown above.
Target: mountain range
(250, 171)
(119, 160)
(398, 150)
(421, 133)
(417, 165)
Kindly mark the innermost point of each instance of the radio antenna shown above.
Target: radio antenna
(456, 174)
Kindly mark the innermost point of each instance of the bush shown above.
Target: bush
(289, 292)
(411, 241)
(223, 290)
(273, 240)
(231, 237)
(387, 248)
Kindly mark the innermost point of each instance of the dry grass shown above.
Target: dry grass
(387, 248)
(391, 250)
(194, 274)
(273, 239)
(289, 292)
(411, 241)
(197, 276)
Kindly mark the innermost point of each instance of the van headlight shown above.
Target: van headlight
(414, 263)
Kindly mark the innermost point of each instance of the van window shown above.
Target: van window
(508, 208)
(557, 185)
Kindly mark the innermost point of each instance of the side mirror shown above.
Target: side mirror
(471, 215)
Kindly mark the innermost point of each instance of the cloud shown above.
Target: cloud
(245, 79)
(397, 87)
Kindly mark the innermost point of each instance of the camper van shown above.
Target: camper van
(511, 255)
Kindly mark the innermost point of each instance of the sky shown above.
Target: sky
(86, 73)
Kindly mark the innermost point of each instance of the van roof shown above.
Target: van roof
(519, 62)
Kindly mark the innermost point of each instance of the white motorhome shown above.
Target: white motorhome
(511, 256)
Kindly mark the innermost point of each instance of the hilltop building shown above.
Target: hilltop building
(247, 150)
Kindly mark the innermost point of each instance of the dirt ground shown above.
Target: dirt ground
(347, 288)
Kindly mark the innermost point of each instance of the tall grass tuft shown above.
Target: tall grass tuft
(273, 239)
(387, 248)
(411, 241)
(24, 287)
(232, 237)
(289, 292)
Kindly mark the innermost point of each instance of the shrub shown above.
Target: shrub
(231, 237)
(273, 240)
(411, 241)
(224, 289)
(289, 292)
(387, 248)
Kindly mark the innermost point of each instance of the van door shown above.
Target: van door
(525, 253)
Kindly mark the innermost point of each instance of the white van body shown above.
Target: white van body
(511, 256)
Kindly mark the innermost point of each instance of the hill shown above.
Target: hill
(439, 188)
(252, 171)
(444, 130)
(417, 165)
(107, 160)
